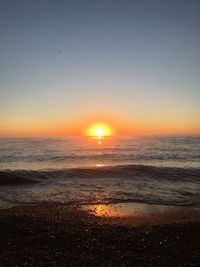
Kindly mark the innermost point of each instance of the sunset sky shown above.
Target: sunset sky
(65, 65)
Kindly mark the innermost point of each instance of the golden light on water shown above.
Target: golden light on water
(99, 165)
(99, 142)
(103, 210)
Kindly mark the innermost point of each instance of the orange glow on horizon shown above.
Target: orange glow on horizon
(97, 126)
(99, 130)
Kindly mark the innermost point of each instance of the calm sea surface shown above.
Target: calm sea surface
(153, 170)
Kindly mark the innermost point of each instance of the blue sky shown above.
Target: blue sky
(63, 62)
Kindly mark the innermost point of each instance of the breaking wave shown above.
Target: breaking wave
(22, 177)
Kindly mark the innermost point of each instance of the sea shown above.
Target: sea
(159, 170)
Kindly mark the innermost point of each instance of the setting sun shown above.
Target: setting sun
(99, 130)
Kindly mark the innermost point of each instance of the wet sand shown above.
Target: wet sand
(99, 235)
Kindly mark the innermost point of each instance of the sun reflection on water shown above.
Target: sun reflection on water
(98, 147)
(99, 165)
(99, 142)
(103, 210)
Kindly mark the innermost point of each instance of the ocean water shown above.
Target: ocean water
(72, 170)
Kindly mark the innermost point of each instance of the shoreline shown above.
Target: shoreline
(55, 235)
(126, 213)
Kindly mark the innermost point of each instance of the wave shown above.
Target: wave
(25, 177)
(15, 178)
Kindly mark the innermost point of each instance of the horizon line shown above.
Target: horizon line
(94, 136)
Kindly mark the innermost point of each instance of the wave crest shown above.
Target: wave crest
(22, 177)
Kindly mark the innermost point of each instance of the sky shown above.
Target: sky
(134, 65)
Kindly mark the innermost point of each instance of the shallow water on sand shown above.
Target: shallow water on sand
(134, 214)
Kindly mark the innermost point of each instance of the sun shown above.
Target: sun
(99, 130)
